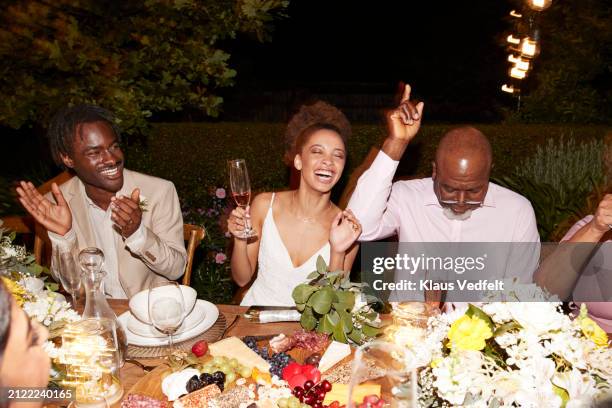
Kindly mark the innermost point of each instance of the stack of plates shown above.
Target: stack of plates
(201, 318)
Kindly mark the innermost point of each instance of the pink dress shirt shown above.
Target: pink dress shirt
(411, 209)
(598, 267)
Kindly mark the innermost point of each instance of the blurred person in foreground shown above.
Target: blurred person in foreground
(23, 361)
(134, 218)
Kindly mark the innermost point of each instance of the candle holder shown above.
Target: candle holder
(409, 322)
(90, 354)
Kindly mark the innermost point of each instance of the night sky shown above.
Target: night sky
(448, 50)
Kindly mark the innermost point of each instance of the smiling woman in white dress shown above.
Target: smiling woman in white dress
(295, 227)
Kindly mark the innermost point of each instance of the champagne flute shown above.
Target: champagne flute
(166, 308)
(241, 190)
(69, 275)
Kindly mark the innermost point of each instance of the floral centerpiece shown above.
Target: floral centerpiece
(332, 304)
(526, 354)
(26, 280)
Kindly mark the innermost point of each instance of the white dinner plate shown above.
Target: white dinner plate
(210, 317)
(145, 330)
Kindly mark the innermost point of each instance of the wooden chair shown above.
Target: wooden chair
(193, 234)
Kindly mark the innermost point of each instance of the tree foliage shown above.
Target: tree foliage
(135, 57)
(571, 78)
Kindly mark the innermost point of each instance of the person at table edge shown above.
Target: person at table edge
(457, 203)
(580, 269)
(134, 218)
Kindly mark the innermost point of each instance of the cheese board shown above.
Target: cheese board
(252, 372)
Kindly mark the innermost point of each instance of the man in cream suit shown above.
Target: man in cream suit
(134, 218)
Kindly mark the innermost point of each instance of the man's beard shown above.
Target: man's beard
(451, 215)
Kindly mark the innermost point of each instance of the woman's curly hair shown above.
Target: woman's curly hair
(310, 118)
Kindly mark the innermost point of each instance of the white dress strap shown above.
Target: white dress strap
(271, 201)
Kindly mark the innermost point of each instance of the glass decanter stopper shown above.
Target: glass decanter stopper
(96, 306)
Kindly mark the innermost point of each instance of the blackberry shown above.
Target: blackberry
(194, 384)
(206, 378)
(218, 376)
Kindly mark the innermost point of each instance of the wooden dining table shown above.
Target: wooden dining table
(237, 326)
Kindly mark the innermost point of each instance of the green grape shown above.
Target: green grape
(293, 403)
(225, 368)
(282, 403)
(230, 377)
(218, 360)
(234, 363)
(208, 368)
(246, 372)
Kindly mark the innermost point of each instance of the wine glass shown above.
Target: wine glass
(395, 370)
(166, 308)
(241, 189)
(68, 273)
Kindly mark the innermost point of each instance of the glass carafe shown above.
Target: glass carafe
(96, 305)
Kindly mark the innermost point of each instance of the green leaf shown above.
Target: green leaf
(474, 311)
(321, 265)
(321, 301)
(356, 336)
(344, 300)
(339, 334)
(346, 321)
(325, 325)
(313, 275)
(561, 392)
(300, 307)
(308, 321)
(370, 331)
(334, 317)
(506, 328)
(302, 292)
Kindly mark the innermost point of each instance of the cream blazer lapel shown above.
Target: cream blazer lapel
(80, 216)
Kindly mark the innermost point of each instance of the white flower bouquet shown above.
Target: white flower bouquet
(513, 354)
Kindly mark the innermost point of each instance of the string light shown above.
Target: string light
(517, 73)
(513, 40)
(539, 5)
(529, 47)
(513, 13)
(507, 88)
(518, 62)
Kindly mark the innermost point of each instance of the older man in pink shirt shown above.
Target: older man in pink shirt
(457, 204)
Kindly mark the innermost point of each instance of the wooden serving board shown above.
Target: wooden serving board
(150, 384)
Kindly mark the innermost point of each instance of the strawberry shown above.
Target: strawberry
(200, 348)
(290, 370)
(297, 380)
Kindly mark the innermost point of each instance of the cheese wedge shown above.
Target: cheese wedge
(335, 353)
(233, 347)
(339, 392)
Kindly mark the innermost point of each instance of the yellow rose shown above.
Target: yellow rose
(15, 289)
(591, 329)
(469, 333)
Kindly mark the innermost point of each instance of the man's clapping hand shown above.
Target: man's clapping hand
(126, 213)
(55, 217)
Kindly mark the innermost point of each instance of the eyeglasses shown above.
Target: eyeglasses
(469, 203)
(455, 202)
